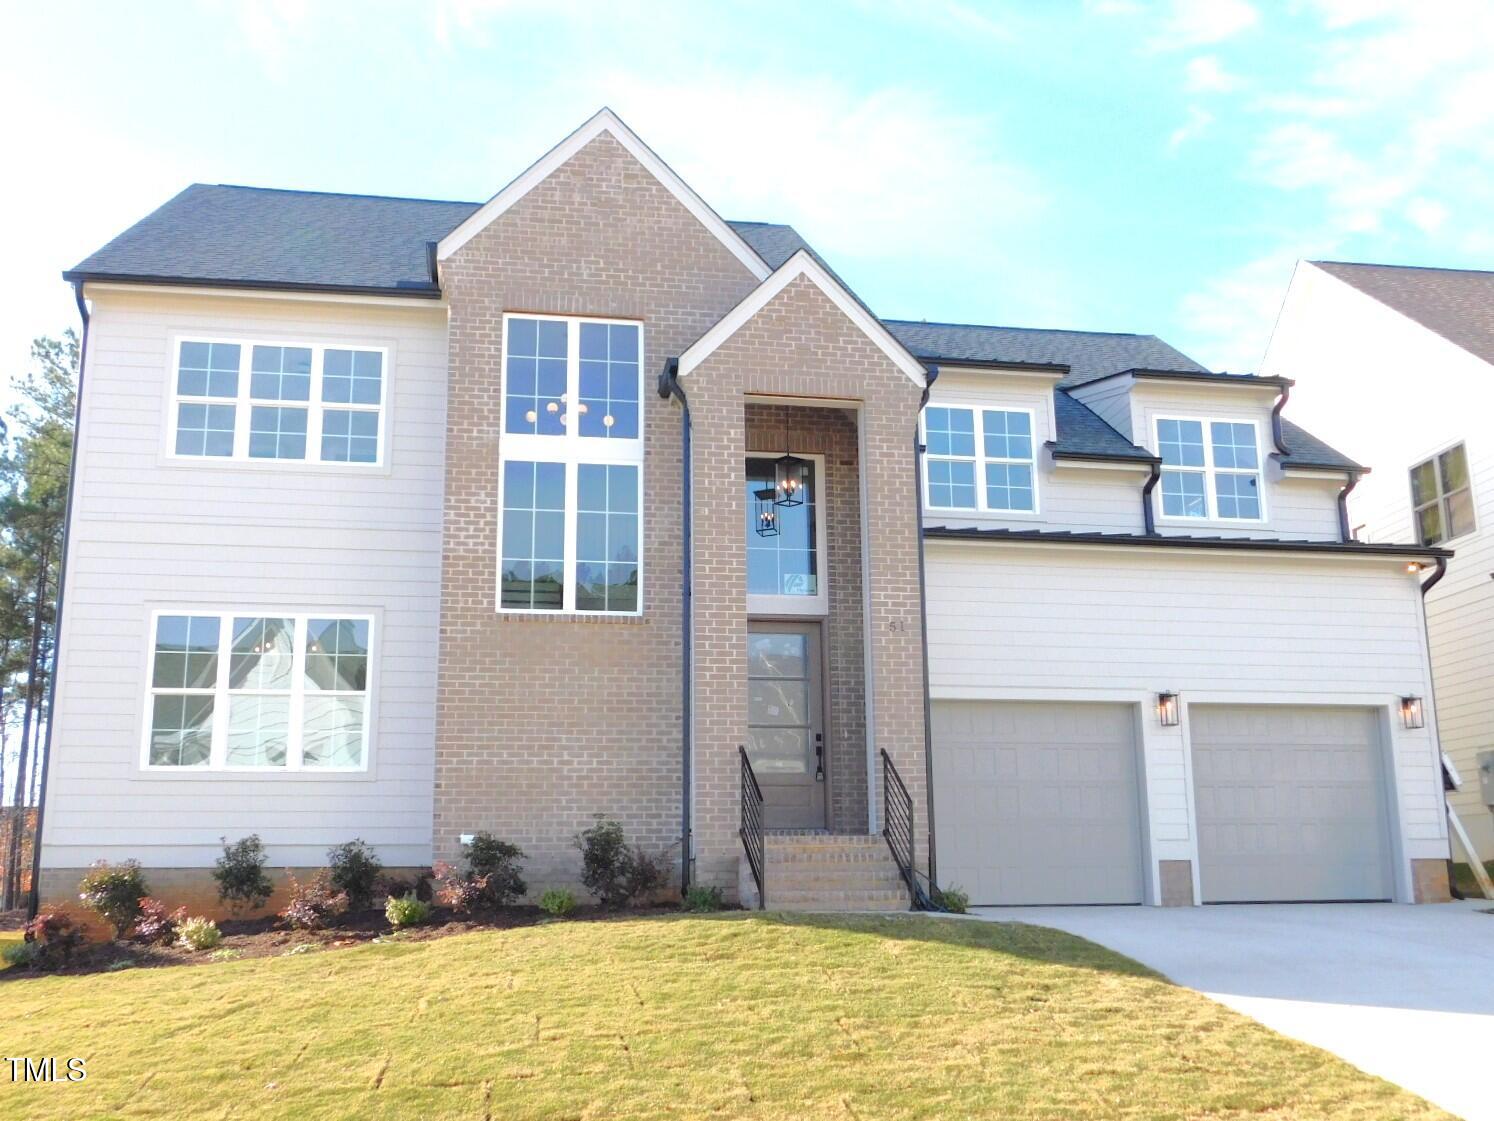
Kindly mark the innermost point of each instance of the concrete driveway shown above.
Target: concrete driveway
(1403, 992)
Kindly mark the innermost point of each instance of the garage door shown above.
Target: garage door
(1291, 804)
(1037, 803)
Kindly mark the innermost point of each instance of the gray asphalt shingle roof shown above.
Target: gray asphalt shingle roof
(1457, 304)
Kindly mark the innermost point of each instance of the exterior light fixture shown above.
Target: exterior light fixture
(1412, 713)
(1167, 710)
(790, 475)
(765, 514)
(1413, 567)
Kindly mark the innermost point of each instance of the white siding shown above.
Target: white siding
(149, 532)
(1391, 393)
(1028, 622)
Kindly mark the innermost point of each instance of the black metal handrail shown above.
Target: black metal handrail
(751, 831)
(897, 829)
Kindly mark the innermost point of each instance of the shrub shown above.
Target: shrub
(313, 904)
(558, 902)
(22, 955)
(198, 933)
(240, 873)
(113, 892)
(56, 936)
(356, 871)
(417, 885)
(227, 954)
(614, 873)
(155, 924)
(498, 863)
(953, 899)
(458, 890)
(406, 910)
(700, 899)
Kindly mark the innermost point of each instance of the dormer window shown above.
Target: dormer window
(979, 459)
(1211, 469)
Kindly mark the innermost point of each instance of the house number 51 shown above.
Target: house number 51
(896, 625)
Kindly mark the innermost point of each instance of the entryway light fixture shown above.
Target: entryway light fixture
(790, 474)
(765, 513)
(1412, 715)
(1167, 710)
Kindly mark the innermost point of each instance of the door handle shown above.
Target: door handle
(819, 757)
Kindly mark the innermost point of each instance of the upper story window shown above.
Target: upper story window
(571, 466)
(256, 401)
(979, 459)
(786, 566)
(259, 692)
(1442, 497)
(1211, 469)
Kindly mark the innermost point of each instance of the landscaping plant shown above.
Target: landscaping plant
(459, 890)
(407, 910)
(616, 874)
(313, 904)
(240, 873)
(156, 924)
(498, 862)
(557, 902)
(952, 899)
(21, 955)
(56, 935)
(198, 933)
(356, 871)
(702, 900)
(114, 893)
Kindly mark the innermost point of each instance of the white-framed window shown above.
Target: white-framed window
(258, 691)
(1211, 469)
(1442, 497)
(786, 571)
(242, 400)
(570, 538)
(979, 459)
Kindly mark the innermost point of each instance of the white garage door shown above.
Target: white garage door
(1037, 803)
(1291, 804)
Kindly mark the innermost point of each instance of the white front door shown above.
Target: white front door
(785, 723)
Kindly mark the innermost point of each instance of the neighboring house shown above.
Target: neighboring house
(1397, 364)
(403, 520)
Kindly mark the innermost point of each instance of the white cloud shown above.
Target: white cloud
(1427, 215)
(1196, 23)
(1198, 121)
(1228, 320)
(1206, 74)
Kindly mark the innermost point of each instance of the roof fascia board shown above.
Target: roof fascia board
(1055, 370)
(1198, 377)
(1214, 545)
(265, 292)
(803, 264)
(603, 121)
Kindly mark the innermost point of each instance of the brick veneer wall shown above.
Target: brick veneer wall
(832, 433)
(800, 344)
(543, 721)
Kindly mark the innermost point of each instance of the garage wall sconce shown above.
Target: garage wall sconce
(1167, 710)
(1412, 714)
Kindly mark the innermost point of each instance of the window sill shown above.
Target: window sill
(609, 620)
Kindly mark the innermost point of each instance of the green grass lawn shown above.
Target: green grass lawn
(714, 1016)
(7, 936)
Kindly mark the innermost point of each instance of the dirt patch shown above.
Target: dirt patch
(268, 937)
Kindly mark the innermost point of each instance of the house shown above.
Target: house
(1412, 351)
(403, 520)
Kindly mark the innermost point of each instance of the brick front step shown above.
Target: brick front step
(830, 872)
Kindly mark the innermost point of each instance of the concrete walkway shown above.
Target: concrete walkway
(1403, 992)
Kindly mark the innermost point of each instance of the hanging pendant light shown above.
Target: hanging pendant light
(791, 479)
(765, 514)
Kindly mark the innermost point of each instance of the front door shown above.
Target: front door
(785, 723)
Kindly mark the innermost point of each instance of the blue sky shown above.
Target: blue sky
(1109, 165)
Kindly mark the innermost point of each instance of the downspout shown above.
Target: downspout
(1148, 516)
(1345, 534)
(34, 902)
(1286, 395)
(923, 609)
(1426, 633)
(669, 386)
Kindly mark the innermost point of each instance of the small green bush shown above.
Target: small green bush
(558, 902)
(313, 904)
(702, 900)
(240, 873)
(616, 874)
(355, 871)
(954, 900)
(21, 955)
(407, 910)
(114, 893)
(225, 955)
(498, 862)
(198, 933)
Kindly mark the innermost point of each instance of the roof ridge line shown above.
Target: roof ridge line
(1039, 330)
(1409, 268)
(337, 194)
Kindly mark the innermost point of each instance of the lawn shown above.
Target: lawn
(727, 1016)
(6, 937)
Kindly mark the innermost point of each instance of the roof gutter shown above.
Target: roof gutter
(33, 903)
(1227, 544)
(420, 292)
(669, 386)
(923, 616)
(1345, 534)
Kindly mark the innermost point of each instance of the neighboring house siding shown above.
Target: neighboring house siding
(1410, 393)
(544, 722)
(150, 533)
(1029, 622)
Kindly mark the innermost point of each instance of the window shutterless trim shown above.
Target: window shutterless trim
(819, 603)
(1440, 500)
(296, 693)
(244, 402)
(574, 451)
(1209, 471)
(980, 459)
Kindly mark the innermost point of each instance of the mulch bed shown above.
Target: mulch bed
(268, 937)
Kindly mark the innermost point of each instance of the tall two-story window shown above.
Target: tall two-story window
(240, 400)
(259, 692)
(1210, 469)
(979, 459)
(1442, 497)
(571, 466)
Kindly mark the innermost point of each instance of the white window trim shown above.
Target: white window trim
(244, 402)
(1210, 472)
(818, 604)
(1441, 499)
(573, 450)
(980, 459)
(217, 759)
